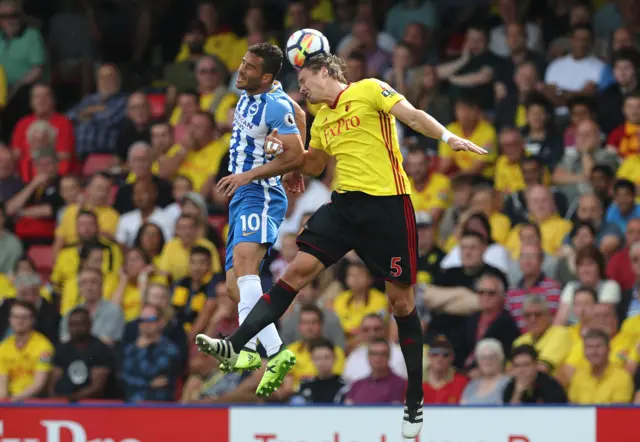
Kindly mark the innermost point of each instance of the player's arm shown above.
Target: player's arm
(428, 126)
(290, 159)
(315, 161)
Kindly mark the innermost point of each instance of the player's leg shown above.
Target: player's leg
(247, 258)
(321, 244)
(393, 256)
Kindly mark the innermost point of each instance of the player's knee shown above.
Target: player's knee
(401, 300)
(302, 271)
(246, 259)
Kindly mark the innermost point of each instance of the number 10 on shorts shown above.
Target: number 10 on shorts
(396, 270)
(250, 223)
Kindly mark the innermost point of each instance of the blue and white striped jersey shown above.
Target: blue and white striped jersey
(256, 116)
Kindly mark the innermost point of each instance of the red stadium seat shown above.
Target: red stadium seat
(157, 102)
(42, 256)
(98, 162)
(218, 222)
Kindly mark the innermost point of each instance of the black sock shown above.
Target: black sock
(267, 310)
(410, 333)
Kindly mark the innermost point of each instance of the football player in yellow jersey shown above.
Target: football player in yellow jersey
(370, 212)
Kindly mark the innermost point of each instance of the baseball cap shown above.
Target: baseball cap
(441, 342)
(424, 219)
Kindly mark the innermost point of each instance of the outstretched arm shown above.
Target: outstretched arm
(428, 126)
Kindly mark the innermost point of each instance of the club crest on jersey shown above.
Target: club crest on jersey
(289, 119)
(253, 109)
(347, 106)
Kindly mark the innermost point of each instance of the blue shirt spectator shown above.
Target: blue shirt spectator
(623, 207)
(98, 116)
(150, 366)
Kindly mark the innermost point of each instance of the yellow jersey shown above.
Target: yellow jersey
(107, 221)
(221, 45)
(615, 386)
(305, 370)
(220, 113)
(630, 170)
(434, 195)
(553, 230)
(174, 258)
(483, 135)
(20, 365)
(553, 346)
(508, 176)
(361, 133)
(351, 312)
(199, 165)
(620, 348)
(68, 262)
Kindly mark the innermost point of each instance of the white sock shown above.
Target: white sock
(250, 293)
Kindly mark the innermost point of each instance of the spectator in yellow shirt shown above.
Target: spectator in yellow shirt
(552, 342)
(174, 259)
(200, 153)
(67, 263)
(604, 319)
(97, 201)
(600, 382)
(213, 96)
(584, 300)
(133, 279)
(469, 124)
(429, 191)
(508, 175)
(311, 323)
(542, 211)
(219, 40)
(25, 356)
(151, 240)
(360, 300)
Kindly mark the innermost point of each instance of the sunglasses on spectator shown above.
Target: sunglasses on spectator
(439, 352)
(486, 292)
(149, 319)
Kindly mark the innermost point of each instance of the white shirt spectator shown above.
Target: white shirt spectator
(573, 75)
(315, 195)
(608, 292)
(357, 365)
(130, 223)
(495, 255)
(498, 39)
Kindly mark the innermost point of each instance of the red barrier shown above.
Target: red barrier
(113, 424)
(618, 424)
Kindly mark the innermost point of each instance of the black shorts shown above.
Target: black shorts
(381, 230)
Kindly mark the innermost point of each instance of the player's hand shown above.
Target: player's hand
(273, 146)
(293, 182)
(229, 184)
(458, 143)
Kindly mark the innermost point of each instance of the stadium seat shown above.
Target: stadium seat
(218, 222)
(157, 102)
(42, 256)
(98, 162)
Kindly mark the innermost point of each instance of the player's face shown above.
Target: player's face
(250, 75)
(312, 84)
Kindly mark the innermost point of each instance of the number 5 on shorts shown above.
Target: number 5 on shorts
(396, 270)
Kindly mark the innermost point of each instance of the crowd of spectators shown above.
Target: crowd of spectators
(116, 120)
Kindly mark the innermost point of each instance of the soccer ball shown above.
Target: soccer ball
(304, 44)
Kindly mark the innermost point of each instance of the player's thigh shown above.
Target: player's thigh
(232, 286)
(326, 235)
(389, 244)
